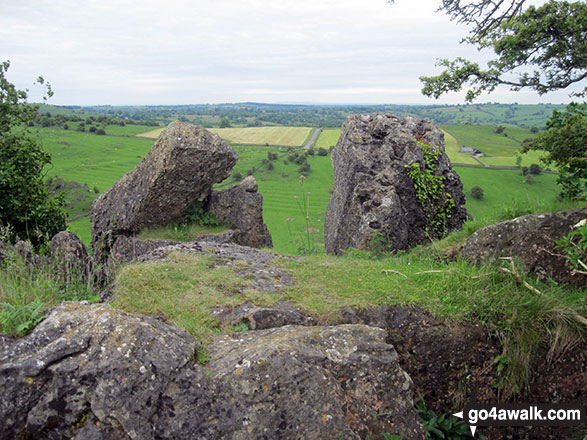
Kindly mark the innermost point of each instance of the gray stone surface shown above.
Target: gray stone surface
(259, 318)
(69, 255)
(532, 238)
(89, 362)
(90, 372)
(180, 169)
(372, 190)
(253, 264)
(241, 207)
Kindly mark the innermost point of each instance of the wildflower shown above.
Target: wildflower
(302, 177)
(295, 197)
(308, 192)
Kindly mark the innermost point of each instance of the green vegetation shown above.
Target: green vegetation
(186, 287)
(498, 149)
(538, 47)
(430, 190)
(26, 293)
(328, 138)
(97, 161)
(27, 210)
(565, 145)
(445, 427)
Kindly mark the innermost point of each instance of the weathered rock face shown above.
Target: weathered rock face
(86, 364)
(373, 192)
(259, 318)
(241, 206)
(88, 371)
(180, 169)
(69, 254)
(126, 249)
(531, 238)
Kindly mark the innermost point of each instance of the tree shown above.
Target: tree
(224, 123)
(27, 210)
(565, 143)
(540, 47)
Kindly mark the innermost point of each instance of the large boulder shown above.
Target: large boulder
(532, 238)
(373, 193)
(241, 207)
(180, 169)
(86, 365)
(89, 371)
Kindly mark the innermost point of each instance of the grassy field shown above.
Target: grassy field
(328, 138)
(99, 161)
(452, 148)
(285, 136)
(499, 150)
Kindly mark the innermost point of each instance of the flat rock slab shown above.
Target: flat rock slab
(265, 276)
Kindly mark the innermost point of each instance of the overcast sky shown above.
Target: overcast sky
(205, 51)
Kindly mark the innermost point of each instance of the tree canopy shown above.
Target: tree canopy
(543, 48)
(27, 210)
(565, 144)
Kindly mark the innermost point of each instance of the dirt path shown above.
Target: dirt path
(312, 139)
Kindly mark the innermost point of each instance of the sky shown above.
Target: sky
(166, 52)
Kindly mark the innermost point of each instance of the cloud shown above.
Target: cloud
(180, 51)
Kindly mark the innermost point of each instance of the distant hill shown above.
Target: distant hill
(252, 114)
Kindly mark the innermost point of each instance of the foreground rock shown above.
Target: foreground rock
(241, 207)
(532, 238)
(180, 169)
(88, 371)
(373, 193)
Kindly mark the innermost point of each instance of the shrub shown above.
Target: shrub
(535, 169)
(529, 179)
(322, 152)
(100, 132)
(477, 192)
(270, 166)
(237, 175)
(305, 168)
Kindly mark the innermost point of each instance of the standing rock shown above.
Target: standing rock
(373, 193)
(180, 169)
(241, 207)
(532, 238)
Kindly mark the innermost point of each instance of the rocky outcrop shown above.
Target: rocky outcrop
(87, 365)
(241, 207)
(253, 264)
(127, 249)
(373, 193)
(532, 238)
(69, 254)
(89, 371)
(180, 169)
(259, 318)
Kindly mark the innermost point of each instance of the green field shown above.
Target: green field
(99, 161)
(328, 138)
(285, 136)
(498, 150)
